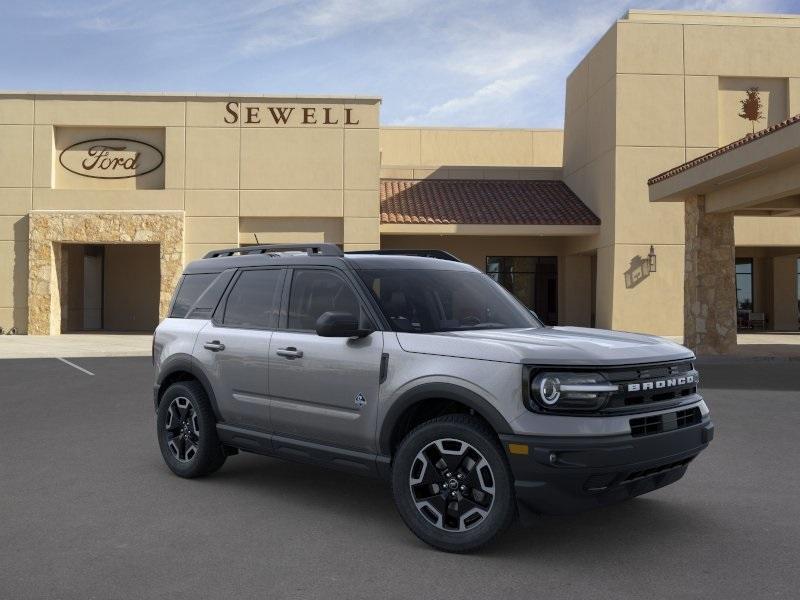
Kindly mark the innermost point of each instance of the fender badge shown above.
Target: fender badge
(360, 401)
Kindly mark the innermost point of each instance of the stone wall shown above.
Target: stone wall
(50, 229)
(710, 282)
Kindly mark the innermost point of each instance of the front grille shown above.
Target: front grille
(656, 470)
(645, 385)
(665, 422)
(639, 388)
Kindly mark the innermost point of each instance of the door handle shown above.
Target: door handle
(215, 346)
(290, 352)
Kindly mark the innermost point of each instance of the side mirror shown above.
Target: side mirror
(340, 324)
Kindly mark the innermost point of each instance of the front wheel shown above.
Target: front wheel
(187, 431)
(452, 484)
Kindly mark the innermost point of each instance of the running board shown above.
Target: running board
(259, 442)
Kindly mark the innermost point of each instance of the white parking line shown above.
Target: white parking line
(72, 364)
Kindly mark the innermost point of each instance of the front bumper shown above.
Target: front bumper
(562, 475)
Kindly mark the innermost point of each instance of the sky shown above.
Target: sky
(435, 62)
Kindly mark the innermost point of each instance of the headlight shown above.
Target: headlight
(575, 391)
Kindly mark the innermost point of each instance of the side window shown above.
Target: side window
(317, 291)
(252, 303)
(192, 285)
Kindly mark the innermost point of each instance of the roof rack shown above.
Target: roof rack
(310, 249)
(440, 254)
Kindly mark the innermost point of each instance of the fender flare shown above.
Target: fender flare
(184, 362)
(446, 391)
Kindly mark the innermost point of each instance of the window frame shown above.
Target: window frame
(745, 260)
(219, 313)
(538, 257)
(355, 285)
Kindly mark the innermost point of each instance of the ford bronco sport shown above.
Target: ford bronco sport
(423, 371)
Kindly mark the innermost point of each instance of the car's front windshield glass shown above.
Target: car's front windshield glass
(433, 301)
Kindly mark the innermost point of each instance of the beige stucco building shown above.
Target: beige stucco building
(103, 197)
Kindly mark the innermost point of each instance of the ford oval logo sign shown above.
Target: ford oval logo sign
(111, 158)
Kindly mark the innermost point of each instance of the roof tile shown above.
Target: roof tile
(750, 137)
(481, 201)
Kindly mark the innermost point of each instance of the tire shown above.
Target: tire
(187, 431)
(475, 476)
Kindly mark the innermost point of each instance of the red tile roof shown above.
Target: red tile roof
(750, 137)
(481, 201)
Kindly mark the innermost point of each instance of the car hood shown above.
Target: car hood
(547, 345)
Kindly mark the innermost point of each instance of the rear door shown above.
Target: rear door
(324, 389)
(233, 348)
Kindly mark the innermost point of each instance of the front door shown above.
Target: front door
(324, 389)
(233, 348)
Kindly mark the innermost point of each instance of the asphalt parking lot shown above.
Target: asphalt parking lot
(88, 510)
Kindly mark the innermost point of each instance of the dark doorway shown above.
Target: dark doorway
(111, 287)
(532, 279)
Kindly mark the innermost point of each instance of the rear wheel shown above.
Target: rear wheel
(452, 484)
(187, 431)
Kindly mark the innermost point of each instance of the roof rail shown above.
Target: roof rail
(440, 254)
(310, 249)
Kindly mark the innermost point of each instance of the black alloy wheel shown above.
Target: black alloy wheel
(452, 483)
(187, 431)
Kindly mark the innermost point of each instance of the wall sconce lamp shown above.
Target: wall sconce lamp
(652, 258)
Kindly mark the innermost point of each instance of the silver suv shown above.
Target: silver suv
(423, 371)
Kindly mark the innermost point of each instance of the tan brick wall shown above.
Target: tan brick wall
(314, 177)
(658, 89)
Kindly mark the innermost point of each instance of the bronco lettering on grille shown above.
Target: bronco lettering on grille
(658, 384)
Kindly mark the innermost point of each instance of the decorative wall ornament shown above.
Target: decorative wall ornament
(111, 158)
(752, 107)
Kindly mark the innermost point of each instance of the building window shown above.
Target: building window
(744, 284)
(532, 279)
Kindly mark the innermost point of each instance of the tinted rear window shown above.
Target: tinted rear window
(192, 285)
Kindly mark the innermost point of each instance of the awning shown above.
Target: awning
(527, 205)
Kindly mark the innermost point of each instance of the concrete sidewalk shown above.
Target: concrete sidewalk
(759, 346)
(75, 345)
(774, 345)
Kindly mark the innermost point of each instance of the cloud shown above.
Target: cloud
(495, 60)
(105, 24)
(500, 61)
(436, 62)
(311, 22)
(498, 90)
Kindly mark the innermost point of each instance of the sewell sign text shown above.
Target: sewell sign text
(276, 116)
(111, 158)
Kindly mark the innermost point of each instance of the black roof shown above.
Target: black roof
(321, 254)
(397, 261)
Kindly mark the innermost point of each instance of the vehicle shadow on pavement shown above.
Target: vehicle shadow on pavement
(627, 528)
(345, 495)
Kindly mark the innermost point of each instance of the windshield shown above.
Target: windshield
(432, 301)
